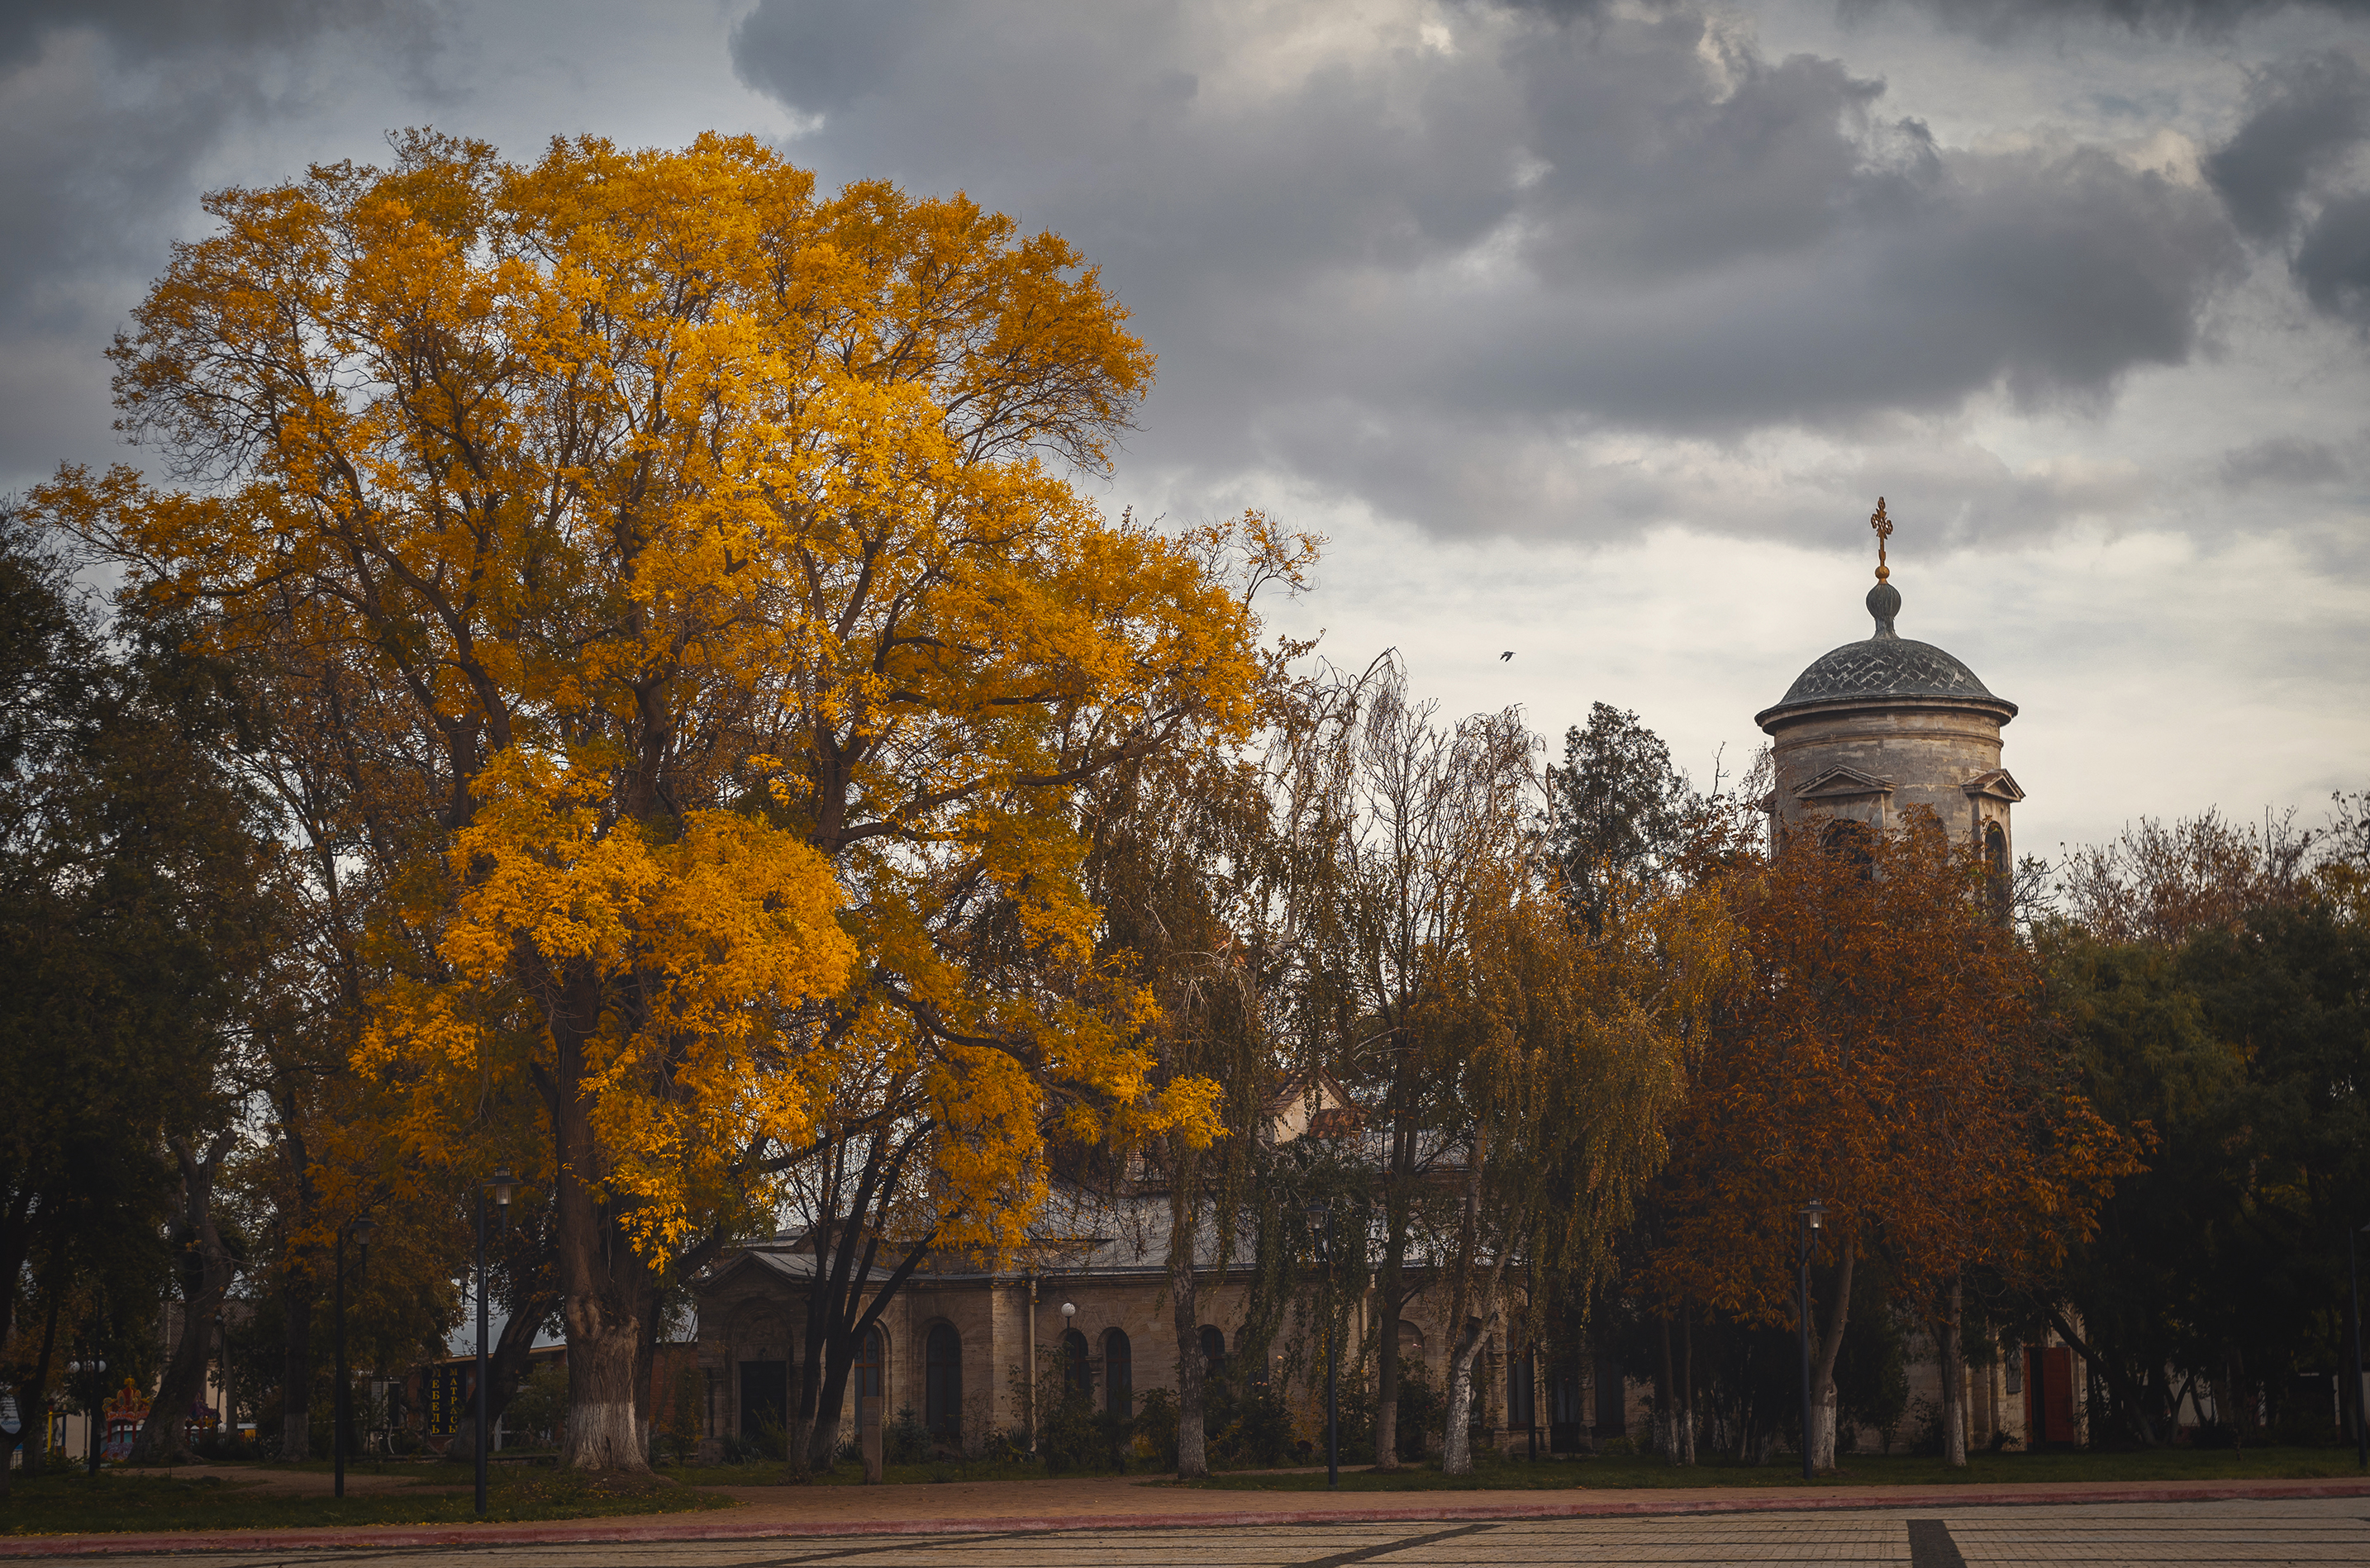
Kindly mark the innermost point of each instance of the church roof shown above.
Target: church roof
(1886, 665)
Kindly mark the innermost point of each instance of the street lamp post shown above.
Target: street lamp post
(500, 1187)
(1069, 1367)
(1320, 1226)
(2353, 1277)
(340, 1412)
(1812, 1216)
(95, 1386)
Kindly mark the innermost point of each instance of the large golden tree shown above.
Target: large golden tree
(705, 555)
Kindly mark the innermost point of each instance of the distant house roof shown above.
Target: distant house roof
(1312, 1105)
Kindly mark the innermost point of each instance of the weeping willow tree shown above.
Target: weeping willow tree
(1200, 879)
(1570, 1029)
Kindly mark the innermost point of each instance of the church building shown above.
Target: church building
(1870, 735)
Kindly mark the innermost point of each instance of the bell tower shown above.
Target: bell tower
(1874, 727)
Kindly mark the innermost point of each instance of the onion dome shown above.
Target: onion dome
(1886, 666)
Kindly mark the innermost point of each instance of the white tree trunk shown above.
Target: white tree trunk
(1456, 1450)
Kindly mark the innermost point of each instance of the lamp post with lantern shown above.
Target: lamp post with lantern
(1320, 1229)
(1069, 1366)
(2353, 1279)
(91, 1385)
(340, 1406)
(500, 1187)
(1813, 1218)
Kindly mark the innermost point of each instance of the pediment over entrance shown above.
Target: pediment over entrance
(1995, 785)
(1843, 784)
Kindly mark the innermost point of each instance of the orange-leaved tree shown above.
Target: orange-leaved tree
(1880, 1058)
(706, 539)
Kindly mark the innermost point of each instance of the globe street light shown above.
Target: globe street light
(500, 1187)
(1813, 1218)
(340, 1415)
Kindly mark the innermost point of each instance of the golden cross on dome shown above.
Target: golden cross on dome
(1883, 526)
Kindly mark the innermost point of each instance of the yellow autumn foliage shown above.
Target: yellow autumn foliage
(696, 557)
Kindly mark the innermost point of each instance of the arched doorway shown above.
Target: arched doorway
(1119, 1375)
(1522, 1414)
(942, 1384)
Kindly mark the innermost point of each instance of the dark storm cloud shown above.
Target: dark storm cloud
(2304, 116)
(1427, 275)
(2333, 263)
(2284, 170)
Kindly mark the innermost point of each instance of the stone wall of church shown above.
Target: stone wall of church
(1927, 754)
(755, 1320)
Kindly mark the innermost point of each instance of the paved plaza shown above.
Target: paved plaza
(2316, 1530)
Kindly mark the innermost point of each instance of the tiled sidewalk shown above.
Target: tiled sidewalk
(1056, 1521)
(2328, 1530)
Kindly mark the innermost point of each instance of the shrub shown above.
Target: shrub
(905, 1441)
(1156, 1423)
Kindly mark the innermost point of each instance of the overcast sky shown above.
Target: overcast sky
(1589, 331)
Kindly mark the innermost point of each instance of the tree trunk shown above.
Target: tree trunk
(1192, 1459)
(1666, 1427)
(507, 1360)
(2102, 1372)
(1686, 1389)
(296, 1289)
(33, 1394)
(604, 1284)
(296, 1366)
(1954, 1379)
(1391, 1299)
(1457, 1450)
(1821, 1435)
(164, 1436)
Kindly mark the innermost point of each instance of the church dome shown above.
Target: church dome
(1884, 666)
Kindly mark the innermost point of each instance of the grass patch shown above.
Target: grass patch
(1628, 1472)
(79, 1503)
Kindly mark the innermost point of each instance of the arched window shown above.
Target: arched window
(1851, 841)
(1518, 1379)
(2002, 875)
(942, 1380)
(1119, 1375)
(1077, 1373)
(868, 1372)
(1214, 1348)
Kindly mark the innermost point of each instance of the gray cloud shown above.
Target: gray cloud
(142, 31)
(2002, 21)
(2304, 116)
(2333, 263)
(1423, 276)
(2281, 460)
(109, 109)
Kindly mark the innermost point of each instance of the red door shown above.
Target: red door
(2049, 1394)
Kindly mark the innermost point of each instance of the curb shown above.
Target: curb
(660, 1530)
